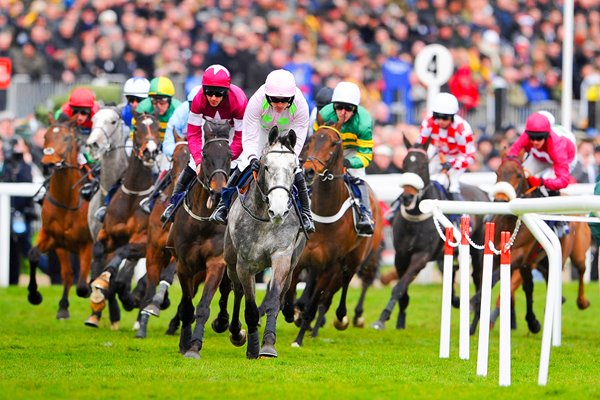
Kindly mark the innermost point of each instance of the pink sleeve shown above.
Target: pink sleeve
(194, 135)
(515, 149)
(236, 145)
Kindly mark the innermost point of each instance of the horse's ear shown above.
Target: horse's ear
(407, 143)
(177, 136)
(273, 134)
(51, 118)
(290, 138)
(522, 155)
(136, 115)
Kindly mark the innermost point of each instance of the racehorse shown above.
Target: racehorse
(525, 250)
(416, 238)
(160, 264)
(124, 232)
(263, 233)
(331, 263)
(64, 223)
(198, 243)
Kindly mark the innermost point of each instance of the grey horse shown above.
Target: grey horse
(263, 233)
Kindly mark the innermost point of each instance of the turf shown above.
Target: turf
(41, 357)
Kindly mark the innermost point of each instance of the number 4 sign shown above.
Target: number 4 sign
(434, 65)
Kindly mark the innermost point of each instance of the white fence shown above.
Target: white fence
(385, 187)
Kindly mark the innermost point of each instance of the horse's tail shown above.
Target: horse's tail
(34, 296)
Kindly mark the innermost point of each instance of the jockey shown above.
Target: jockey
(550, 157)
(82, 105)
(161, 101)
(178, 124)
(135, 90)
(322, 98)
(217, 100)
(452, 136)
(279, 102)
(357, 134)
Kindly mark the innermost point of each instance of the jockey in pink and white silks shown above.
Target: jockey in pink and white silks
(276, 103)
(550, 157)
(217, 100)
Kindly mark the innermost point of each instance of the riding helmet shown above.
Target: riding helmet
(346, 92)
(137, 87)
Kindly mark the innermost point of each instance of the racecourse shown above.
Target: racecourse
(41, 357)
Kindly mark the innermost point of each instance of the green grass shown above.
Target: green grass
(41, 357)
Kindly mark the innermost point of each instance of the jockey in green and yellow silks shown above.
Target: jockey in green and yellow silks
(357, 136)
(160, 99)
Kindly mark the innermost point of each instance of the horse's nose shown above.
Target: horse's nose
(278, 217)
(407, 199)
(309, 174)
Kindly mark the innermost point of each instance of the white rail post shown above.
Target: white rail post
(447, 295)
(4, 239)
(464, 267)
(505, 351)
(486, 299)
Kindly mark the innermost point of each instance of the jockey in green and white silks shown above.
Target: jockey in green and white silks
(276, 103)
(357, 138)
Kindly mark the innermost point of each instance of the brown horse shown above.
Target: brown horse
(160, 263)
(198, 243)
(124, 233)
(64, 215)
(526, 253)
(335, 251)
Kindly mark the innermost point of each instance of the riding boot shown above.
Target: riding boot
(100, 214)
(88, 190)
(364, 225)
(220, 213)
(147, 203)
(306, 214)
(186, 176)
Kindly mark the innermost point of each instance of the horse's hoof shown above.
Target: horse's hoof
(63, 314)
(583, 304)
(534, 327)
(341, 325)
(141, 334)
(378, 325)
(455, 302)
(220, 325)
(296, 345)
(152, 309)
(240, 341)
(136, 326)
(268, 351)
(83, 292)
(171, 331)
(92, 321)
(359, 322)
(192, 354)
(35, 298)
(115, 326)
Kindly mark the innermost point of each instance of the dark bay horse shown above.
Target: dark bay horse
(526, 253)
(263, 233)
(124, 233)
(198, 243)
(335, 251)
(416, 238)
(64, 215)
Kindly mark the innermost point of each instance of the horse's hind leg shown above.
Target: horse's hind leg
(532, 322)
(186, 312)
(85, 260)
(308, 314)
(237, 335)
(578, 258)
(66, 272)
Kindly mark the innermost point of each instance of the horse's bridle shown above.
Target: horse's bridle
(48, 151)
(326, 175)
(205, 183)
(148, 137)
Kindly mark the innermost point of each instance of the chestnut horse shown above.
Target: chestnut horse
(198, 243)
(64, 215)
(124, 232)
(526, 252)
(335, 251)
(160, 264)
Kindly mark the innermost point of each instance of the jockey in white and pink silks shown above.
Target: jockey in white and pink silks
(279, 102)
(217, 100)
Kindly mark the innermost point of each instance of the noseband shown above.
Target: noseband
(109, 136)
(48, 151)
(333, 155)
(148, 137)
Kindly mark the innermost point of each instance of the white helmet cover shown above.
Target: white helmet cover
(346, 92)
(136, 86)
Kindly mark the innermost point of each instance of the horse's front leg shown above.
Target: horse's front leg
(221, 323)
(237, 335)
(341, 321)
(251, 313)
(215, 268)
(66, 272)
(186, 310)
(532, 322)
(85, 261)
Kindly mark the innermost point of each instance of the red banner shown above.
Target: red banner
(5, 72)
